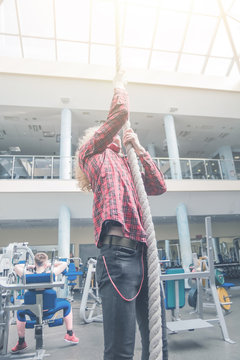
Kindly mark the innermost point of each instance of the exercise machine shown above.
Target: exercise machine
(91, 306)
(177, 324)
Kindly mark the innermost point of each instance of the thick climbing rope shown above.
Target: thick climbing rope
(154, 307)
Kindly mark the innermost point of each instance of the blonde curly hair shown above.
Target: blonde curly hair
(83, 181)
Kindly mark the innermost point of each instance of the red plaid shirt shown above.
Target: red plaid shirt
(115, 196)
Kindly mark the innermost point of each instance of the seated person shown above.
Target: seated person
(42, 265)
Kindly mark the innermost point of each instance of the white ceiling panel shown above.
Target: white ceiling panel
(72, 19)
(8, 19)
(217, 66)
(183, 5)
(222, 46)
(170, 31)
(39, 49)
(163, 61)
(191, 64)
(10, 46)
(134, 58)
(103, 22)
(200, 32)
(139, 26)
(235, 33)
(235, 10)
(36, 17)
(102, 55)
(206, 7)
(72, 52)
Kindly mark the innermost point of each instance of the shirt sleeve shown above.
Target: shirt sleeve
(153, 178)
(117, 117)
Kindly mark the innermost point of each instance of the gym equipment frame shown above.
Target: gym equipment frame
(181, 325)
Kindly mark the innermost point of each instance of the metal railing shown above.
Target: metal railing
(47, 167)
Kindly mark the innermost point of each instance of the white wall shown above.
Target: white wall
(85, 234)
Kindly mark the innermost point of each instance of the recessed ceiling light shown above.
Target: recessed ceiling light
(48, 133)
(14, 148)
(65, 100)
(173, 109)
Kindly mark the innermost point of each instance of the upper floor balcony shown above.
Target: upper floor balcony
(47, 167)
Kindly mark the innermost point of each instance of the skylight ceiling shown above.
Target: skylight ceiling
(184, 36)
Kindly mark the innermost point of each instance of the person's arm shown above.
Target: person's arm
(19, 269)
(59, 267)
(117, 117)
(153, 178)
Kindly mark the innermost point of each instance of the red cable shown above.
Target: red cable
(115, 287)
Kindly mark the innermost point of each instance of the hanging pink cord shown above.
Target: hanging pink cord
(115, 287)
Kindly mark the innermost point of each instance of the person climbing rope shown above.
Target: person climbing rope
(117, 215)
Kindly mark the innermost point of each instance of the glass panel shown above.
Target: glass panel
(170, 31)
(185, 167)
(8, 19)
(23, 167)
(199, 34)
(164, 166)
(234, 72)
(227, 4)
(235, 10)
(237, 168)
(72, 19)
(213, 170)
(207, 7)
(39, 49)
(217, 66)
(191, 63)
(102, 55)
(6, 167)
(56, 166)
(72, 52)
(10, 46)
(227, 168)
(42, 168)
(36, 17)
(103, 22)
(183, 5)
(198, 169)
(235, 31)
(133, 58)
(139, 26)
(163, 61)
(222, 46)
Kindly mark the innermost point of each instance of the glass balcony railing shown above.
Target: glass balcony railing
(47, 167)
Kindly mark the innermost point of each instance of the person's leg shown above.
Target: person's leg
(68, 320)
(21, 344)
(21, 328)
(119, 315)
(119, 324)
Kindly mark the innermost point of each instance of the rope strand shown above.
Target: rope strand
(155, 320)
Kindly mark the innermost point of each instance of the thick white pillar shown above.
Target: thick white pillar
(172, 145)
(64, 227)
(227, 162)
(65, 171)
(151, 150)
(167, 250)
(184, 236)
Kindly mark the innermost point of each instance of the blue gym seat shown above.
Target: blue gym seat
(48, 300)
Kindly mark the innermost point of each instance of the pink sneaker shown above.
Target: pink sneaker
(16, 349)
(72, 339)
